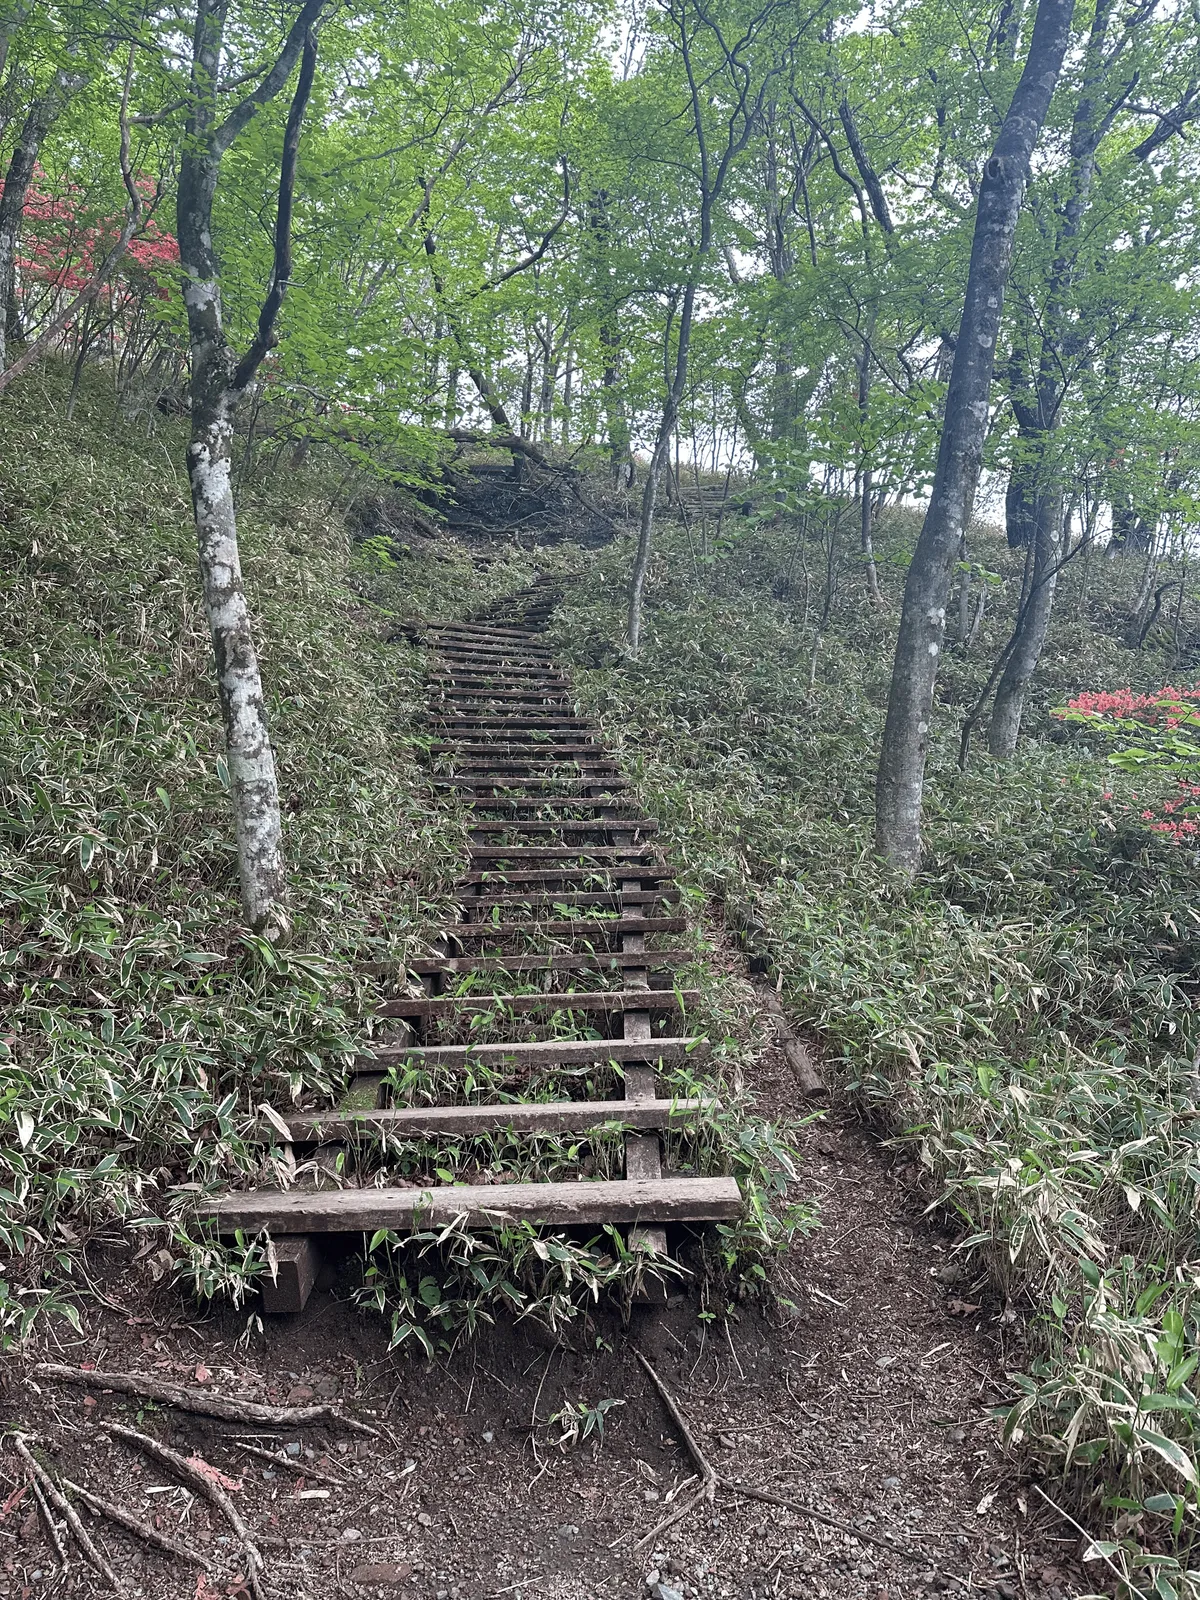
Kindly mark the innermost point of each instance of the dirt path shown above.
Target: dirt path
(866, 1399)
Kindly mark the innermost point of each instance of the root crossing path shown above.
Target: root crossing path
(554, 976)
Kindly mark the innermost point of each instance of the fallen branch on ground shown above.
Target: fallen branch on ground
(207, 1487)
(127, 1520)
(708, 1477)
(303, 1468)
(200, 1404)
(712, 1481)
(65, 1509)
(48, 1522)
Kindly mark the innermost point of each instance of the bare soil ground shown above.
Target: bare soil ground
(864, 1396)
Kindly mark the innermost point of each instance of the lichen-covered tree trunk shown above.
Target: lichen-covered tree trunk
(219, 382)
(253, 785)
(901, 774)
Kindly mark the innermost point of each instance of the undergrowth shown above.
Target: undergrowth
(1020, 1018)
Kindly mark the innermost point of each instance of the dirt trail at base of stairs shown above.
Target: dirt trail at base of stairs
(866, 1398)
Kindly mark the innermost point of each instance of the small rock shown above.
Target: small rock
(382, 1574)
(487, 1437)
(650, 1496)
(666, 1591)
(652, 1577)
(568, 1531)
(301, 1395)
(351, 1535)
(425, 1519)
(891, 1483)
(293, 1449)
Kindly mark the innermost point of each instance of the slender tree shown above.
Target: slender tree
(901, 774)
(220, 381)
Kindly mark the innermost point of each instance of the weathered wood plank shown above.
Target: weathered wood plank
(415, 1122)
(519, 1004)
(620, 855)
(483, 1205)
(555, 825)
(581, 929)
(542, 1053)
(595, 961)
(602, 899)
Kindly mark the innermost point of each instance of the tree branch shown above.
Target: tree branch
(224, 135)
(281, 270)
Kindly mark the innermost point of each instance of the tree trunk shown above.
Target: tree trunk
(901, 774)
(1031, 627)
(660, 458)
(219, 382)
(1039, 476)
(866, 478)
(12, 208)
(1020, 506)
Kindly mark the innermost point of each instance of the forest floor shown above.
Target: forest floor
(864, 1395)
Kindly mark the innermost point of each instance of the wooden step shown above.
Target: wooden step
(482, 1205)
(647, 825)
(479, 774)
(579, 928)
(480, 792)
(419, 1122)
(603, 803)
(606, 899)
(613, 857)
(568, 873)
(468, 697)
(540, 1053)
(446, 648)
(597, 961)
(509, 750)
(580, 1000)
(481, 630)
(552, 722)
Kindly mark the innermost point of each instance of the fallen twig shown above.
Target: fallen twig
(770, 1499)
(1124, 1577)
(65, 1509)
(708, 1477)
(207, 1487)
(302, 1468)
(712, 1481)
(199, 1403)
(48, 1522)
(126, 1519)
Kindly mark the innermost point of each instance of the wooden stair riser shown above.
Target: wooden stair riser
(544, 1055)
(591, 1203)
(615, 1000)
(453, 1122)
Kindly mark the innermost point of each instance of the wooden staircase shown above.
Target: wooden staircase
(563, 885)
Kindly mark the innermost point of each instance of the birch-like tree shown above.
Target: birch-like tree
(220, 380)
